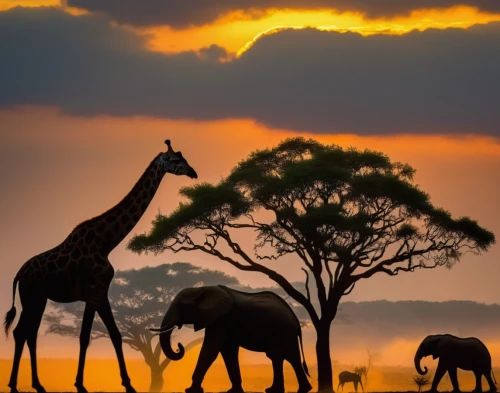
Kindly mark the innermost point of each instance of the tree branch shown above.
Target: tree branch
(383, 266)
(307, 285)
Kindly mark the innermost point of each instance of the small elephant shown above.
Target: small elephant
(260, 322)
(347, 376)
(456, 352)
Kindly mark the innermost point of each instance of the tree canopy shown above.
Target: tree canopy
(346, 214)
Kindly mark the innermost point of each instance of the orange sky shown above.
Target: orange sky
(58, 170)
(85, 166)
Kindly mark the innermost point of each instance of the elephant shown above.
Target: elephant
(260, 322)
(456, 352)
(347, 376)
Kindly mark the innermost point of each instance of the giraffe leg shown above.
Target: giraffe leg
(26, 329)
(20, 335)
(88, 319)
(104, 311)
(37, 314)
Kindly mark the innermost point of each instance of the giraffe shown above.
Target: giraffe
(78, 269)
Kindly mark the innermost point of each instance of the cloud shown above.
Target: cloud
(214, 52)
(181, 14)
(436, 81)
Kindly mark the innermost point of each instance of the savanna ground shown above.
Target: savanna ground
(102, 375)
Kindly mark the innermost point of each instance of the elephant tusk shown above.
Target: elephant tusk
(161, 330)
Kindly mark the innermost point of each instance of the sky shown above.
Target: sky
(90, 89)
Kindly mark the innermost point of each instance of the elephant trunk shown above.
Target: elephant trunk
(167, 347)
(418, 357)
(170, 321)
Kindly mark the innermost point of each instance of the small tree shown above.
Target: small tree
(421, 381)
(139, 299)
(366, 369)
(346, 215)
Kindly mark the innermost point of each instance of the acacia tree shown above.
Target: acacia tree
(139, 299)
(344, 214)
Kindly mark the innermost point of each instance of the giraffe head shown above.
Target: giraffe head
(173, 162)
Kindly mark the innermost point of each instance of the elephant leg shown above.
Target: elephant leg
(230, 356)
(478, 376)
(278, 385)
(452, 371)
(440, 371)
(293, 357)
(493, 387)
(355, 383)
(338, 387)
(212, 344)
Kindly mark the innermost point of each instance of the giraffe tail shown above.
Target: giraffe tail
(11, 314)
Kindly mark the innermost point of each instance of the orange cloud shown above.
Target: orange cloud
(305, 80)
(237, 32)
(7, 4)
(237, 35)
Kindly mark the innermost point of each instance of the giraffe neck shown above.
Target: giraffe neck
(110, 228)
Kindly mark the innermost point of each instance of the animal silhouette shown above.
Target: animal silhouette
(456, 352)
(347, 376)
(78, 269)
(260, 321)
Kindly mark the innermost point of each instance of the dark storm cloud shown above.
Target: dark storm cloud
(304, 80)
(179, 13)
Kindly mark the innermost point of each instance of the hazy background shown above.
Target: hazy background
(89, 91)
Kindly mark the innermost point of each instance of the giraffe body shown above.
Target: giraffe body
(60, 276)
(78, 269)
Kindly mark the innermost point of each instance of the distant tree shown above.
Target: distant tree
(344, 214)
(421, 381)
(139, 299)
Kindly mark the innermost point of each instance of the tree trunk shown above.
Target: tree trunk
(156, 379)
(325, 374)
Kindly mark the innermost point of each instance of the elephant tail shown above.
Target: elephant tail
(304, 364)
(493, 376)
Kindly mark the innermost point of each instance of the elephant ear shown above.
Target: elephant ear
(212, 304)
(436, 347)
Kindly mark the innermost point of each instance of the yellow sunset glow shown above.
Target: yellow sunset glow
(237, 32)
(7, 4)
(237, 35)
